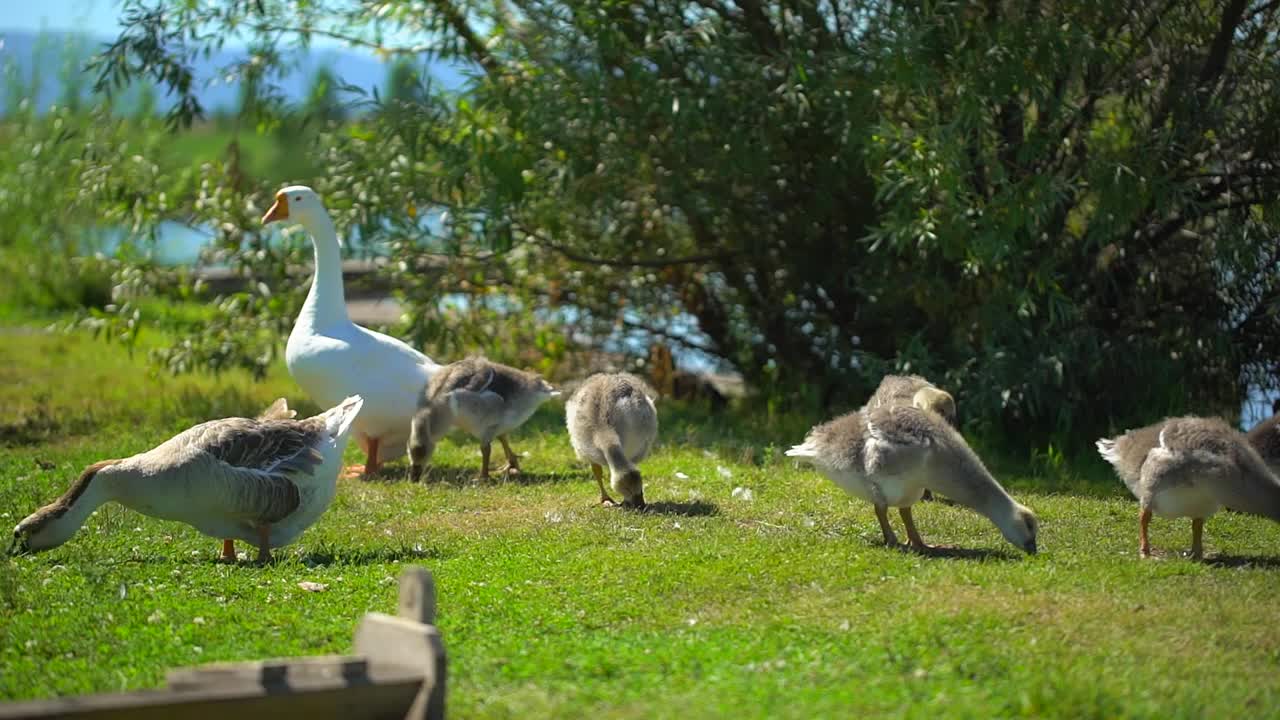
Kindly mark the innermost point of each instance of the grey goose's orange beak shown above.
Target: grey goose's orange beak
(278, 211)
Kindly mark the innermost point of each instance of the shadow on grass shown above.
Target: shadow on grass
(369, 556)
(324, 555)
(959, 553)
(1243, 561)
(695, 508)
(465, 476)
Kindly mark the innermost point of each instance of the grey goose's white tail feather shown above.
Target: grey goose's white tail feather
(338, 419)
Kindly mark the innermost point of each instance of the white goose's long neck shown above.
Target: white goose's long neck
(326, 303)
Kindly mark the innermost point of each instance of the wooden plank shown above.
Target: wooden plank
(407, 644)
(383, 694)
(287, 671)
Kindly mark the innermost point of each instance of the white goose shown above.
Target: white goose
(259, 480)
(331, 357)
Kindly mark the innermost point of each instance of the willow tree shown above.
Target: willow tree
(1042, 203)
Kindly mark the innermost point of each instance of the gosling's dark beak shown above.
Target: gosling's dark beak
(415, 473)
(1030, 547)
(18, 546)
(635, 503)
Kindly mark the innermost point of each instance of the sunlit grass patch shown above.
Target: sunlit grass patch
(780, 602)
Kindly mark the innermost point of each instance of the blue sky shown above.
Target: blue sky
(93, 16)
(96, 17)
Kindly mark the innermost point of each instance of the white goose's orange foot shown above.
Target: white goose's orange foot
(352, 471)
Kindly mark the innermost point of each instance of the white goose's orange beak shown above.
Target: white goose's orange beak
(278, 211)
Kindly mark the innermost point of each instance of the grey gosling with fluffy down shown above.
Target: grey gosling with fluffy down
(887, 456)
(612, 421)
(486, 399)
(1191, 467)
(914, 391)
(1265, 438)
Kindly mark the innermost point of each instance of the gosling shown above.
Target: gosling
(485, 399)
(914, 391)
(1265, 438)
(612, 421)
(1191, 467)
(888, 456)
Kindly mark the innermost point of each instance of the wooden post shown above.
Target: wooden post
(417, 595)
(408, 641)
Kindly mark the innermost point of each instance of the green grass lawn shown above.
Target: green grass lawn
(711, 606)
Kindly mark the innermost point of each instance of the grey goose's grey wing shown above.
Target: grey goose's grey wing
(257, 462)
(259, 496)
(261, 445)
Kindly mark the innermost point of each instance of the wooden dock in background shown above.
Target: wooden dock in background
(360, 277)
(369, 298)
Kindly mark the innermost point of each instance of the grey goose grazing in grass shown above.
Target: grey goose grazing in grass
(889, 455)
(1191, 467)
(485, 399)
(613, 422)
(263, 481)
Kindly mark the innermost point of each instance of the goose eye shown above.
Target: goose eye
(297, 198)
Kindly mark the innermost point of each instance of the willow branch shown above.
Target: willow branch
(538, 239)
